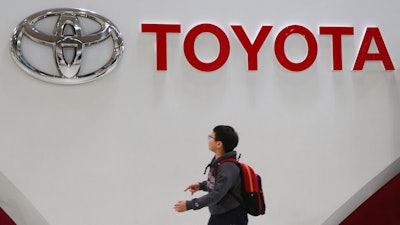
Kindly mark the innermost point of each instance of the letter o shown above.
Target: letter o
(280, 48)
(224, 48)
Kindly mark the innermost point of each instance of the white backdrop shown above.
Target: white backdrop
(121, 150)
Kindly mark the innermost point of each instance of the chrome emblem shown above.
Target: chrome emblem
(67, 34)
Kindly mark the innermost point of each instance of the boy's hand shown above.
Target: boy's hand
(180, 206)
(193, 188)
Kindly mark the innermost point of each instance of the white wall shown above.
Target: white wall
(121, 150)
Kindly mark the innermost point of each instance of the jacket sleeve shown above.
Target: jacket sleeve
(203, 186)
(227, 174)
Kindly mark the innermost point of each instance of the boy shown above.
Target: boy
(222, 188)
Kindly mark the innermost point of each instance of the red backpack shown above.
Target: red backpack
(251, 194)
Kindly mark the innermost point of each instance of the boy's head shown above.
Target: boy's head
(228, 136)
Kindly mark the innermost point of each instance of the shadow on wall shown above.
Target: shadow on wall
(15, 207)
(378, 202)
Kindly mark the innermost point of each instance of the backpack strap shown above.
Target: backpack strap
(233, 160)
(222, 161)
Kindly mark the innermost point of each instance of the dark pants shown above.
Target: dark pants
(236, 216)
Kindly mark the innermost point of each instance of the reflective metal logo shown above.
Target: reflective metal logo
(80, 45)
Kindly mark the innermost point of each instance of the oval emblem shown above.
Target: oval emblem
(51, 45)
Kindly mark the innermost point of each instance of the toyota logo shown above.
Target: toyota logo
(63, 45)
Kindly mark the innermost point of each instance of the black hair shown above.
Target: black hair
(228, 136)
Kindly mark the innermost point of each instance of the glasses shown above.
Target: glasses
(210, 136)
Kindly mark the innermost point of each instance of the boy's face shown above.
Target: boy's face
(213, 145)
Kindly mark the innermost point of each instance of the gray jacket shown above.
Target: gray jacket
(221, 189)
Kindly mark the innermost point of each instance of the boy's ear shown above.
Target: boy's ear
(220, 144)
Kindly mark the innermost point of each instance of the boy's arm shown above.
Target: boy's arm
(203, 186)
(224, 181)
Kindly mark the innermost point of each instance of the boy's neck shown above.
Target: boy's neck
(219, 153)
